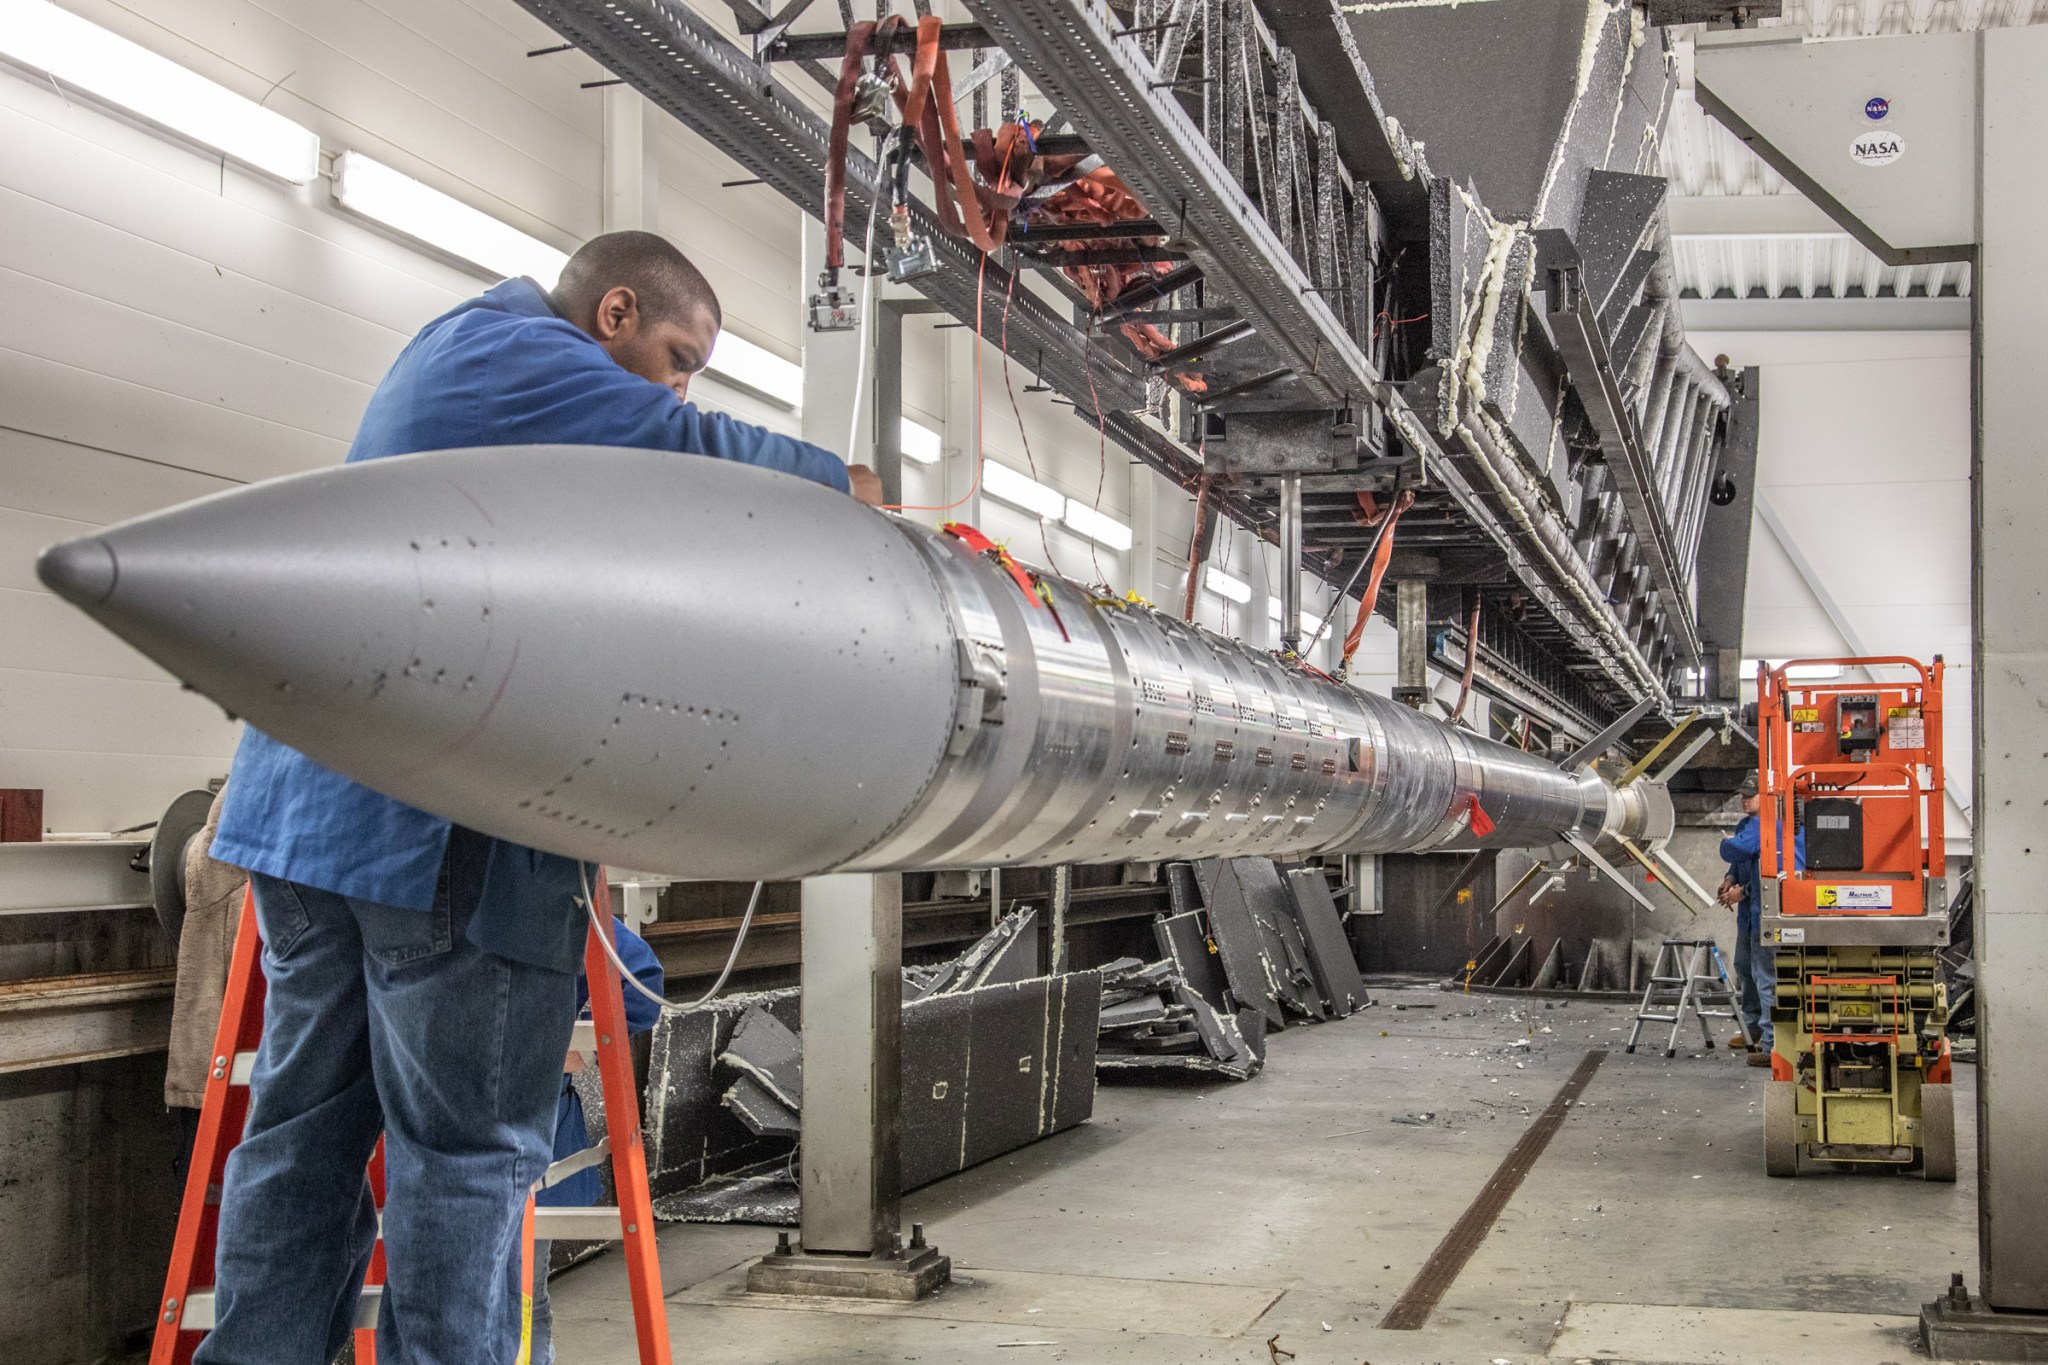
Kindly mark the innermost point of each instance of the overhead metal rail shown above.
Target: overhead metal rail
(1575, 328)
(1282, 222)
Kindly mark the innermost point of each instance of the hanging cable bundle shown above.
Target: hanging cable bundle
(1381, 556)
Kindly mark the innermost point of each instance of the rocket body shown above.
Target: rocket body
(688, 666)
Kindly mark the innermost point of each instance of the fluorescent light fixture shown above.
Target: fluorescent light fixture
(1226, 585)
(917, 441)
(87, 57)
(400, 202)
(739, 361)
(1311, 624)
(1007, 485)
(1103, 530)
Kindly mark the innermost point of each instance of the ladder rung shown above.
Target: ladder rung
(597, 1224)
(238, 1074)
(198, 1316)
(1669, 980)
(1658, 1018)
(583, 1038)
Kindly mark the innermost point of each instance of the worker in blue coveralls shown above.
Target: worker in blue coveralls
(422, 976)
(572, 1135)
(1742, 890)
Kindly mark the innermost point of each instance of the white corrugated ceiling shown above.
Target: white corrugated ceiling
(1773, 243)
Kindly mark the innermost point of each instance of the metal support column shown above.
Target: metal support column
(1290, 563)
(888, 393)
(631, 186)
(2011, 805)
(1411, 625)
(852, 958)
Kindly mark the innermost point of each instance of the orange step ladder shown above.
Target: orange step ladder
(185, 1313)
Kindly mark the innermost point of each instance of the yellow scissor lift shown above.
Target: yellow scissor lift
(1860, 1069)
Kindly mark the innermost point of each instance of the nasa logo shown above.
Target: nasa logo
(1877, 149)
(1876, 107)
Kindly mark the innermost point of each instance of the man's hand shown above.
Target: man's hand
(1730, 893)
(867, 484)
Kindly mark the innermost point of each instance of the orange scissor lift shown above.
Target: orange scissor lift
(1860, 1070)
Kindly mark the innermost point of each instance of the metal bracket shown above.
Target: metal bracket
(1290, 443)
(1592, 855)
(1599, 744)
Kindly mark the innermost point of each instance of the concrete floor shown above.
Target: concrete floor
(1193, 1223)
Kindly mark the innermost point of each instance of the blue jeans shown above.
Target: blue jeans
(1756, 971)
(380, 1019)
(543, 1306)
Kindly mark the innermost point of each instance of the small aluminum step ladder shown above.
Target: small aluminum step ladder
(1688, 975)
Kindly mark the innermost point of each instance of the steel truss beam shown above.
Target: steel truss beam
(681, 63)
(1105, 82)
(1293, 282)
(1576, 331)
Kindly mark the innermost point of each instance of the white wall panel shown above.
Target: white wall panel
(748, 240)
(358, 78)
(90, 334)
(70, 404)
(70, 251)
(69, 712)
(1864, 454)
(67, 640)
(93, 165)
(58, 479)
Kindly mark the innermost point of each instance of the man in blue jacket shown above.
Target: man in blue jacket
(1756, 967)
(422, 976)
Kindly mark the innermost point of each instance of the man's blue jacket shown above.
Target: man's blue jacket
(502, 369)
(1743, 852)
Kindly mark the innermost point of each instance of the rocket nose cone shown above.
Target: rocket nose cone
(83, 571)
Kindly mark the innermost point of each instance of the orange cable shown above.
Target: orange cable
(1379, 573)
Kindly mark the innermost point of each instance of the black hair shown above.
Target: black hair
(667, 285)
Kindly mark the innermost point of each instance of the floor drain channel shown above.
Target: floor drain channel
(1427, 1289)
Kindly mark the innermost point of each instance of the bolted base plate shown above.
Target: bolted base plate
(1957, 1326)
(915, 1274)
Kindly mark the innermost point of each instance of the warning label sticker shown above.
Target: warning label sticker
(1877, 149)
(1801, 714)
(1852, 897)
(1908, 732)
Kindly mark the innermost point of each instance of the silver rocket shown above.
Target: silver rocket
(694, 667)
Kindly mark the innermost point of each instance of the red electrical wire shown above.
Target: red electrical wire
(1391, 321)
